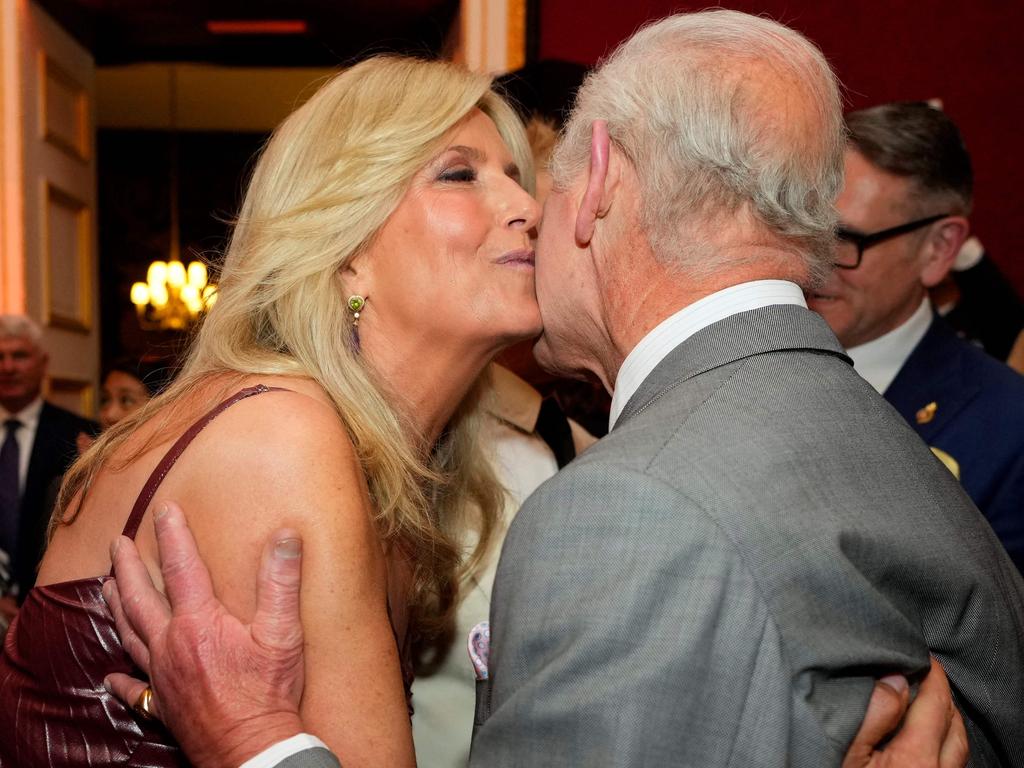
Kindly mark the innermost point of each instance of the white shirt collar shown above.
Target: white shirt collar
(879, 360)
(28, 416)
(674, 330)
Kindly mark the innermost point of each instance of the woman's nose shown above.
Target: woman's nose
(524, 211)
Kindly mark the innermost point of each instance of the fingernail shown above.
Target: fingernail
(288, 549)
(897, 682)
(160, 511)
(113, 547)
(107, 588)
(106, 684)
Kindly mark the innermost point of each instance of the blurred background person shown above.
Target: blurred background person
(37, 446)
(129, 384)
(903, 219)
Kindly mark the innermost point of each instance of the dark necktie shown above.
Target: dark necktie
(553, 427)
(9, 495)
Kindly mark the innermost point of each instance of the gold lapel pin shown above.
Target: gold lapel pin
(927, 413)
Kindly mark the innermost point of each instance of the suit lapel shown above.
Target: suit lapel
(934, 383)
(755, 332)
(44, 456)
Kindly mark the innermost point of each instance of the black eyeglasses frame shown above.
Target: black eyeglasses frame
(863, 242)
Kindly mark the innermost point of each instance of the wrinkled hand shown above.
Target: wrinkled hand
(225, 689)
(932, 735)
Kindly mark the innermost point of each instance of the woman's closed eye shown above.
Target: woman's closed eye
(458, 174)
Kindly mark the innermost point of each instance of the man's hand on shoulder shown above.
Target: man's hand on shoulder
(932, 734)
(225, 689)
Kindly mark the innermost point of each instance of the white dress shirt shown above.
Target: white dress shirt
(880, 360)
(674, 330)
(26, 435)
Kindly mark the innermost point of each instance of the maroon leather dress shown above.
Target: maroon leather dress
(54, 710)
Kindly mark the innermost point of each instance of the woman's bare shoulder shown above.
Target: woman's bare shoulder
(296, 418)
(285, 452)
(281, 459)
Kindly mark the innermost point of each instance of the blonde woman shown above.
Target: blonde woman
(380, 260)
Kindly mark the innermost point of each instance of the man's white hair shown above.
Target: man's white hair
(21, 327)
(722, 115)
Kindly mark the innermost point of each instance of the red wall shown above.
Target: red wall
(971, 55)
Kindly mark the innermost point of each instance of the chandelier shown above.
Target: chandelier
(173, 296)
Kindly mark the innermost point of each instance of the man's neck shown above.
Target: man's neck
(677, 328)
(661, 293)
(14, 406)
(879, 360)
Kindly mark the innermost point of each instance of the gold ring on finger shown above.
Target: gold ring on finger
(144, 704)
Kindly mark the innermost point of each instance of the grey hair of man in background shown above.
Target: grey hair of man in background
(20, 327)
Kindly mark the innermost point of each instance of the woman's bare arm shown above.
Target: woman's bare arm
(285, 460)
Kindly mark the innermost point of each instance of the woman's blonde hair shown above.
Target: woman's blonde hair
(326, 182)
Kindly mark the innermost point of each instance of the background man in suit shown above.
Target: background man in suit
(904, 215)
(716, 582)
(36, 448)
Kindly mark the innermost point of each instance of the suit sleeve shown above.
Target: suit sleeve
(627, 631)
(311, 758)
(302, 750)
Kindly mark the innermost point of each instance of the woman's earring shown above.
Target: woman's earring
(355, 305)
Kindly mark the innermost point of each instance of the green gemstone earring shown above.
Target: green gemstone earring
(355, 305)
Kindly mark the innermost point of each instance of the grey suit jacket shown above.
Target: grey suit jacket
(310, 758)
(718, 581)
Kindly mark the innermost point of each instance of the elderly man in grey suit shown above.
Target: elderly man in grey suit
(717, 582)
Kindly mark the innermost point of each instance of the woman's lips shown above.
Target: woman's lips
(524, 257)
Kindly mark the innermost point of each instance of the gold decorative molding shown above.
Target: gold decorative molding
(79, 316)
(515, 56)
(492, 35)
(53, 79)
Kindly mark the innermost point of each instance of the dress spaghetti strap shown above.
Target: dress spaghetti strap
(131, 527)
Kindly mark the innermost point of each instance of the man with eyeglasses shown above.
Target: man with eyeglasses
(903, 217)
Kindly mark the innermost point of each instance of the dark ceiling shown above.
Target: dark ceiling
(336, 31)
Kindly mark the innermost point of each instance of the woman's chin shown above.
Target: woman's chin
(527, 331)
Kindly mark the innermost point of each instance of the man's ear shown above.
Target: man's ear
(600, 184)
(941, 247)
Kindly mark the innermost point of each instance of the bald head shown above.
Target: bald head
(726, 118)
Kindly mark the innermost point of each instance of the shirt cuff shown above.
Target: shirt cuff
(275, 753)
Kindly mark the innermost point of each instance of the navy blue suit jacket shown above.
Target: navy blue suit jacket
(53, 451)
(978, 419)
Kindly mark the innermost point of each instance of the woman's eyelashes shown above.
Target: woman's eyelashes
(458, 174)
